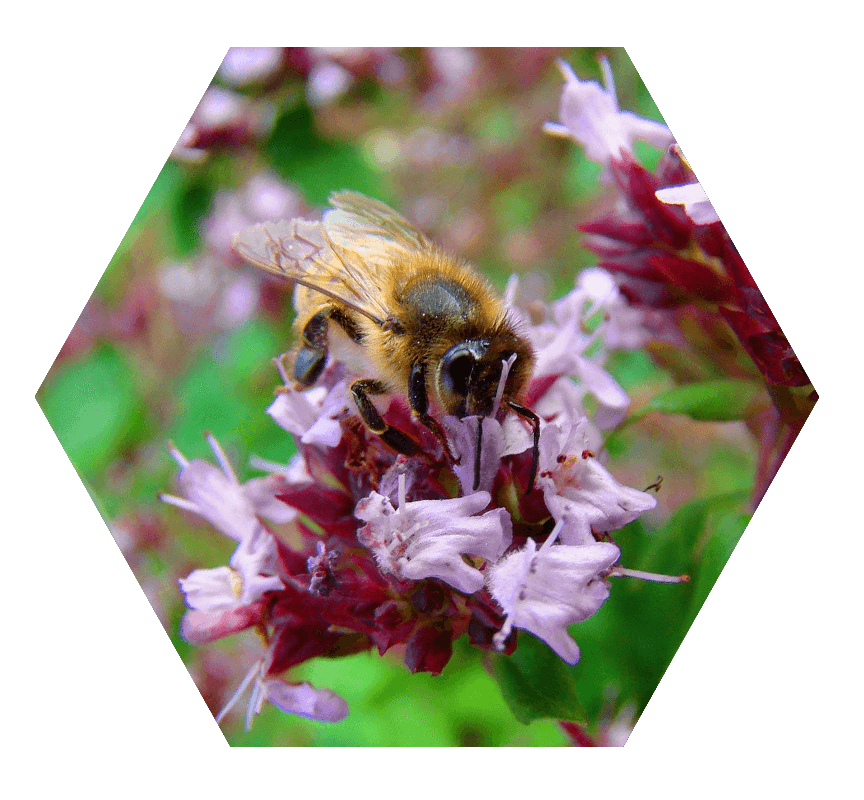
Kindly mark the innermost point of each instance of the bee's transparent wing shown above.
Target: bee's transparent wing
(301, 251)
(370, 239)
(356, 217)
(282, 248)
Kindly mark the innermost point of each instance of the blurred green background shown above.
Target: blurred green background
(178, 336)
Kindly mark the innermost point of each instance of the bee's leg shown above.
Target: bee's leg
(347, 323)
(361, 390)
(312, 353)
(418, 399)
(534, 421)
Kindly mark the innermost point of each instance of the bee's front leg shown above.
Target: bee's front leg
(418, 399)
(361, 390)
(534, 421)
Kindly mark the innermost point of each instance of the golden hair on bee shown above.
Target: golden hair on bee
(427, 324)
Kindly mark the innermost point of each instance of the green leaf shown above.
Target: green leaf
(94, 407)
(114, 281)
(725, 535)
(709, 401)
(221, 394)
(645, 622)
(188, 209)
(537, 684)
(320, 166)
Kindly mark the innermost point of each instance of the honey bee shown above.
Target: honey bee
(427, 325)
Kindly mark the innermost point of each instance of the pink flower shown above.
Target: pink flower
(692, 196)
(305, 700)
(462, 435)
(589, 114)
(216, 494)
(222, 600)
(245, 65)
(302, 699)
(579, 492)
(427, 538)
(250, 573)
(564, 339)
(312, 415)
(544, 590)
(223, 117)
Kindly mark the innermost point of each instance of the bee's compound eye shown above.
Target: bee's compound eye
(458, 365)
(457, 372)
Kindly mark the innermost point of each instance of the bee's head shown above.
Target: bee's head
(469, 373)
(468, 381)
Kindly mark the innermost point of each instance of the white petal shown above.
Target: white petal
(543, 591)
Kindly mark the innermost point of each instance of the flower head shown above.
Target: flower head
(664, 241)
(302, 699)
(544, 590)
(312, 415)
(428, 538)
(574, 336)
(589, 114)
(692, 197)
(224, 600)
(216, 494)
(250, 573)
(578, 490)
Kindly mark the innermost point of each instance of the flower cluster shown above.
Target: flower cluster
(237, 111)
(666, 243)
(349, 546)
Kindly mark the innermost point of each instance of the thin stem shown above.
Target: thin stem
(623, 572)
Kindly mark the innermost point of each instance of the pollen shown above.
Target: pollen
(236, 583)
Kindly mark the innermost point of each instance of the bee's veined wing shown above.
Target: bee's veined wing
(355, 217)
(285, 248)
(301, 251)
(370, 241)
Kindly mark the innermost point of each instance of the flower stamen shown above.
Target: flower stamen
(621, 572)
